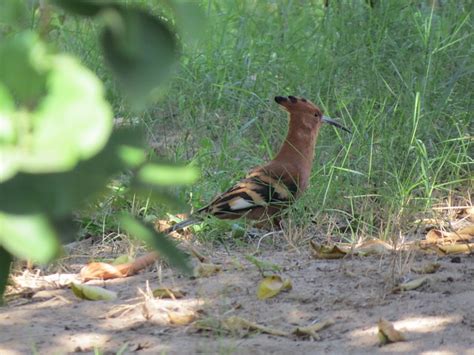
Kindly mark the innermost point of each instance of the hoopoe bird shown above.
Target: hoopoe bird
(271, 187)
(263, 193)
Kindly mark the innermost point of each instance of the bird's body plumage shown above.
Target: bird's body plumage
(262, 193)
(269, 188)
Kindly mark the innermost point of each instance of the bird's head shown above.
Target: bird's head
(300, 107)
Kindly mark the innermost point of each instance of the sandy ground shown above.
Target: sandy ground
(355, 292)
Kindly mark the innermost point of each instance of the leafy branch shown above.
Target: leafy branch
(57, 143)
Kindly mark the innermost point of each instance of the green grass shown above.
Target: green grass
(399, 75)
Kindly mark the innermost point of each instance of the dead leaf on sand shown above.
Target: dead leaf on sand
(103, 271)
(262, 265)
(168, 293)
(444, 242)
(326, 251)
(92, 293)
(181, 318)
(242, 327)
(373, 247)
(312, 330)
(235, 325)
(429, 268)
(456, 248)
(366, 248)
(436, 236)
(271, 286)
(387, 333)
(239, 325)
(411, 285)
(206, 269)
(208, 324)
(470, 213)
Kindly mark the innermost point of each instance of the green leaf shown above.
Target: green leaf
(67, 228)
(28, 237)
(156, 194)
(56, 194)
(5, 261)
(87, 8)
(14, 13)
(132, 156)
(167, 175)
(139, 48)
(61, 103)
(92, 293)
(8, 161)
(7, 106)
(190, 18)
(74, 116)
(24, 65)
(158, 241)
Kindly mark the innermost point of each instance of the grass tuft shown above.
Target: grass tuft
(399, 75)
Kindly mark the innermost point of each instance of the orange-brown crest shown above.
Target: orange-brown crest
(298, 105)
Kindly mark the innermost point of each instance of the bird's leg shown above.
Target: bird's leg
(271, 224)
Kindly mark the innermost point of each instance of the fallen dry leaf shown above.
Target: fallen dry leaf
(208, 324)
(271, 286)
(263, 265)
(373, 247)
(369, 247)
(181, 318)
(92, 293)
(198, 255)
(206, 269)
(456, 248)
(429, 268)
(435, 236)
(103, 271)
(470, 213)
(167, 293)
(426, 222)
(311, 330)
(387, 333)
(326, 252)
(235, 325)
(468, 230)
(240, 325)
(412, 285)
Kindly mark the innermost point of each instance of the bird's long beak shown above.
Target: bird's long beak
(335, 123)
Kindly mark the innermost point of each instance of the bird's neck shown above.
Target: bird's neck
(297, 150)
(300, 141)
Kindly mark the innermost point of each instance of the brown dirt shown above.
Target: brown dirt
(355, 292)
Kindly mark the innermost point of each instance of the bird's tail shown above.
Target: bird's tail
(181, 225)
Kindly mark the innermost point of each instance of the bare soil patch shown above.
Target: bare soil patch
(355, 292)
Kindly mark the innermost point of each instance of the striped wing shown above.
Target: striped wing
(258, 189)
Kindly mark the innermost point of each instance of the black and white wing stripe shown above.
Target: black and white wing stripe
(256, 190)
